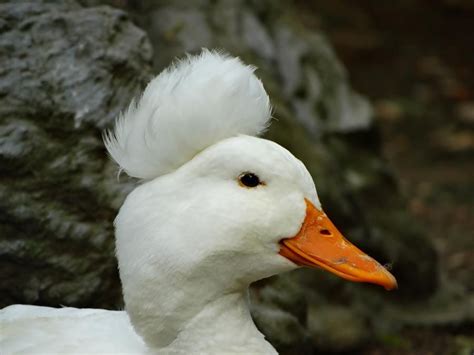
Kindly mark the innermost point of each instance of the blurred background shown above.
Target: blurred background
(376, 98)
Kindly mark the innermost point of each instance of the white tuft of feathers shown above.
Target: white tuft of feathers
(191, 105)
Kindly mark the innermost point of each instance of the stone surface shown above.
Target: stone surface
(66, 71)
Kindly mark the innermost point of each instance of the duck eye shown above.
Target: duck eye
(249, 180)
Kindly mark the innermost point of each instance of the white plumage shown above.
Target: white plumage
(45, 330)
(190, 106)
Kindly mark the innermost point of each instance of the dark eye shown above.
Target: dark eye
(249, 180)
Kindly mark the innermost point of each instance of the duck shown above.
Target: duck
(217, 208)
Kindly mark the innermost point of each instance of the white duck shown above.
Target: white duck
(218, 209)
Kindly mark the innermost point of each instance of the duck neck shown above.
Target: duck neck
(223, 325)
(190, 323)
(185, 315)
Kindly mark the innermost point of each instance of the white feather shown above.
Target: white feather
(43, 330)
(191, 105)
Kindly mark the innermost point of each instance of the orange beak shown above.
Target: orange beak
(320, 244)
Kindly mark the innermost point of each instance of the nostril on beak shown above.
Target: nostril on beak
(325, 232)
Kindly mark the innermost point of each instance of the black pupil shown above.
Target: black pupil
(250, 180)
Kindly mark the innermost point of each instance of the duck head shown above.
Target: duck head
(218, 207)
(239, 211)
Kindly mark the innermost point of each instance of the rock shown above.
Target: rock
(336, 328)
(465, 111)
(256, 37)
(282, 328)
(180, 31)
(65, 73)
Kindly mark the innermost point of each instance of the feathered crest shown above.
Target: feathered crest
(193, 104)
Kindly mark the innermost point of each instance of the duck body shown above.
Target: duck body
(217, 209)
(224, 325)
(28, 329)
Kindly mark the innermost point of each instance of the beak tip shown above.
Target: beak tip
(390, 283)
